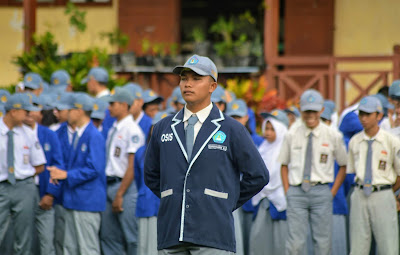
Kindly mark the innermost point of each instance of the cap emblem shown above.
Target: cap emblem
(95, 107)
(311, 99)
(164, 115)
(56, 81)
(17, 106)
(193, 61)
(235, 106)
(363, 101)
(79, 106)
(151, 93)
(138, 94)
(274, 113)
(29, 78)
(4, 99)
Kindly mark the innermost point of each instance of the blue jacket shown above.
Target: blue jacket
(339, 201)
(107, 124)
(85, 186)
(252, 120)
(145, 124)
(147, 203)
(199, 194)
(62, 133)
(52, 150)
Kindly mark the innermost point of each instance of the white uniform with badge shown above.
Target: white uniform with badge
(124, 138)
(376, 213)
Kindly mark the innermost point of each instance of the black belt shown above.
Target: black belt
(113, 179)
(312, 184)
(376, 187)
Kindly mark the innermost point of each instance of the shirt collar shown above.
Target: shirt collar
(70, 129)
(316, 131)
(119, 124)
(139, 118)
(103, 93)
(378, 137)
(202, 115)
(3, 127)
(81, 129)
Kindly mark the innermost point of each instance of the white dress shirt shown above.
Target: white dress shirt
(202, 115)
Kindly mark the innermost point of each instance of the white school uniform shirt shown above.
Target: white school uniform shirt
(269, 152)
(103, 93)
(127, 139)
(202, 115)
(140, 117)
(27, 152)
(385, 157)
(328, 145)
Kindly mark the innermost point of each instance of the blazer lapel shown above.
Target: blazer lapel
(179, 131)
(79, 146)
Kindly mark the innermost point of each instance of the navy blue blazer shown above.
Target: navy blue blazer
(199, 194)
(85, 186)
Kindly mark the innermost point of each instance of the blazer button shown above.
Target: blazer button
(188, 190)
(187, 206)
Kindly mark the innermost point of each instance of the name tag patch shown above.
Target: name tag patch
(117, 152)
(26, 159)
(217, 147)
(323, 159)
(382, 165)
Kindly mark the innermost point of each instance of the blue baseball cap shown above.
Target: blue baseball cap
(394, 90)
(384, 101)
(370, 104)
(327, 113)
(135, 90)
(99, 109)
(150, 96)
(159, 116)
(20, 101)
(218, 95)
(277, 114)
(32, 80)
(44, 101)
(97, 73)
(330, 104)
(64, 101)
(311, 100)
(293, 110)
(4, 94)
(177, 97)
(2, 110)
(121, 95)
(201, 65)
(80, 100)
(237, 107)
(60, 79)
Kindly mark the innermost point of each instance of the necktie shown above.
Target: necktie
(306, 185)
(75, 140)
(10, 157)
(109, 143)
(190, 135)
(367, 188)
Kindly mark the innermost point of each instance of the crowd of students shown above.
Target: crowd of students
(72, 180)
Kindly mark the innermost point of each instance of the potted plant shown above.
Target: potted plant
(224, 46)
(201, 45)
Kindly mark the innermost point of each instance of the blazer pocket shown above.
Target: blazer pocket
(214, 193)
(167, 193)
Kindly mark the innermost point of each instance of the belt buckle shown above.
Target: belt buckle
(314, 183)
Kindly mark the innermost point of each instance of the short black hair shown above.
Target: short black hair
(384, 91)
(88, 113)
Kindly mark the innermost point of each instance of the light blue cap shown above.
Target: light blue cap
(44, 101)
(97, 73)
(135, 90)
(237, 107)
(330, 104)
(370, 104)
(4, 94)
(80, 100)
(99, 109)
(150, 96)
(60, 79)
(121, 95)
(32, 80)
(21, 101)
(45, 87)
(201, 65)
(218, 95)
(277, 114)
(177, 97)
(293, 110)
(159, 116)
(394, 89)
(311, 100)
(2, 110)
(384, 101)
(327, 113)
(63, 101)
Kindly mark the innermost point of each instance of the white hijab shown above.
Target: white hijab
(270, 152)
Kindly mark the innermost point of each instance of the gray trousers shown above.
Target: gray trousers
(267, 236)
(189, 249)
(246, 218)
(238, 232)
(120, 230)
(18, 201)
(378, 214)
(59, 230)
(147, 241)
(44, 224)
(315, 208)
(81, 233)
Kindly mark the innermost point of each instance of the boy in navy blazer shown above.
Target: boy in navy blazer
(196, 172)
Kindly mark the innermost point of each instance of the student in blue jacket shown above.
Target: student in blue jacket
(147, 202)
(84, 193)
(49, 192)
(197, 174)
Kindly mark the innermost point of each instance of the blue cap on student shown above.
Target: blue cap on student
(327, 113)
(218, 95)
(82, 101)
(121, 95)
(150, 96)
(159, 116)
(60, 79)
(237, 107)
(4, 94)
(277, 114)
(44, 101)
(293, 110)
(201, 65)
(99, 109)
(135, 90)
(370, 104)
(177, 97)
(384, 101)
(20, 101)
(32, 80)
(97, 73)
(64, 101)
(394, 90)
(311, 100)
(2, 110)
